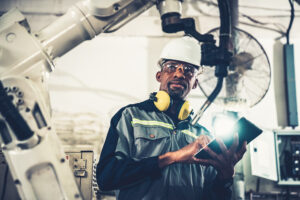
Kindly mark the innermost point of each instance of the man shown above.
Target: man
(149, 150)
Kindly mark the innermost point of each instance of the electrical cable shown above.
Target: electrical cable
(273, 16)
(242, 15)
(57, 14)
(103, 93)
(4, 184)
(252, 19)
(282, 33)
(291, 21)
(85, 87)
(279, 26)
(282, 156)
(257, 185)
(266, 8)
(210, 2)
(261, 26)
(11, 114)
(287, 193)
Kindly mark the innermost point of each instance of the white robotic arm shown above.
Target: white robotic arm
(28, 139)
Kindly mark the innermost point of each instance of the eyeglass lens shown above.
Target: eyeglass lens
(172, 67)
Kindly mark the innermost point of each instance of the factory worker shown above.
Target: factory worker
(149, 150)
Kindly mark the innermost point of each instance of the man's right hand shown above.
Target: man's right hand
(185, 154)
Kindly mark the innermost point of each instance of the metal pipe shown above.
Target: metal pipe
(234, 8)
(79, 24)
(225, 23)
(65, 33)
(169, 6)
(231, 83)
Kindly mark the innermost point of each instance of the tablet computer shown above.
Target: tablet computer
(246, 132)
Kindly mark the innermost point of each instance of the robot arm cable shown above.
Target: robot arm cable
(13, 117)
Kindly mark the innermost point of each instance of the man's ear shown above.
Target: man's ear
(195, 84)
(158, 76)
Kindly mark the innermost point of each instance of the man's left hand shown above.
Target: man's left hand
(224, 163)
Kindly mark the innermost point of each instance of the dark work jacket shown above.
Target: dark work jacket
(138, 134)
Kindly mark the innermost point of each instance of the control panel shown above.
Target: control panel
(288, 157)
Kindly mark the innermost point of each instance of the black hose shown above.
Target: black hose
(291, 21)
(13, 117)
(225, 23)
(4, 182)
(221, 69)
(208, 101)
(217, 90)
(173, 23)
(225, 32)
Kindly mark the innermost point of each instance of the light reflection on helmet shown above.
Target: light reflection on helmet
(186, 49)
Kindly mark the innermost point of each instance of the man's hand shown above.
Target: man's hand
(185, 154)
(224, 163)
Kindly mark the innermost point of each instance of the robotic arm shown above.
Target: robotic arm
(28, 139)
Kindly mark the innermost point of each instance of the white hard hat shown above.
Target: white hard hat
(186, 49)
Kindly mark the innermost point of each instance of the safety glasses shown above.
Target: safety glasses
(171, 66)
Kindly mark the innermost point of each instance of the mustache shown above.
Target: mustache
(178, 81)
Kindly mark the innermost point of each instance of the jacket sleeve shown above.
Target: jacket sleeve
(116, 169)
(215, 189)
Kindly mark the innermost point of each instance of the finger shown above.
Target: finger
(222, 145)
(215, 164)
(235, 143)
(202, 161)
(196, 160)
(242, 150)
(202, 141)
(209, 138)
(239, 155)
(208, 162)
(212, 154)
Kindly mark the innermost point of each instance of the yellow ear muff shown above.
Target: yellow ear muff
(162, 101)
(184, 111)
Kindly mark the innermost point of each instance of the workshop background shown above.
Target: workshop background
(98, 77)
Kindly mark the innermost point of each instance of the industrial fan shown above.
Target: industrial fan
(249, 74)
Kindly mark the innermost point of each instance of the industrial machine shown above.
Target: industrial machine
(288, 156)
(38, 164)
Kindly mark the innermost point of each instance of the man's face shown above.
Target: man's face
(177, 78)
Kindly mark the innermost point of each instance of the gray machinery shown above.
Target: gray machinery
(31, 147)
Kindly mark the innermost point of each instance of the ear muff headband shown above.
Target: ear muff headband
(162, 101)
